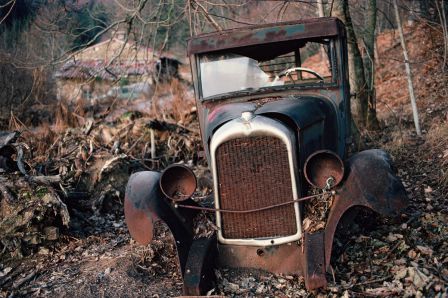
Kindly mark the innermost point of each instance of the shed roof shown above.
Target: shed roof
(88, 69)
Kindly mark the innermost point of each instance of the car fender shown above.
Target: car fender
(370, 182)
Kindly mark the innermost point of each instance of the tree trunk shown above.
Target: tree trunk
(320, 8)
(408, 71)
(321, 14)
(442, 16)
(355, 65)
(372, 121)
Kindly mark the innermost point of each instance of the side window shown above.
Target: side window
(317, 56)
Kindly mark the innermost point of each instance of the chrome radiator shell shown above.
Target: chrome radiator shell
(252, 127)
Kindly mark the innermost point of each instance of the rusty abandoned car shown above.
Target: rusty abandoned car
(275, 133)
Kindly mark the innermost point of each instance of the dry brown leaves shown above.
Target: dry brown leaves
(316, 211)
(93, 159)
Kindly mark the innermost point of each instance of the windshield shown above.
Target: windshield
(257, 68)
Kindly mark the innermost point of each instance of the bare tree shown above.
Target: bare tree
(408, 71)
(369, 42)
(443, 22)
(321, 13)
(356, 69)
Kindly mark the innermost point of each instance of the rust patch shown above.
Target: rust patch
(253, 35)
(281, 259)
(253, 173)
(140, 225)
(324, 169)
(178, 182)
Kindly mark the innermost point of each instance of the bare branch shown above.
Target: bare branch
(13, 2)
(207, 15)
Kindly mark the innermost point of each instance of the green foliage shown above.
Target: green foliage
(41, 191)
(19, 13)
(123, 82)
(86, 25)
(17, 17)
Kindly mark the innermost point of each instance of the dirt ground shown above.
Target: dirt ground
(406, 256)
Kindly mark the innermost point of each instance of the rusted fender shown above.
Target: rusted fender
(370, 182)
(139, 210)
(144, 204)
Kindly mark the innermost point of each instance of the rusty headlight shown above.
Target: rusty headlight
(324, 169)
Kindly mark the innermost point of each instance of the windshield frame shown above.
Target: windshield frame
(269, 89)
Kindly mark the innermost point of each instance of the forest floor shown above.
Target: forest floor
(95, 256)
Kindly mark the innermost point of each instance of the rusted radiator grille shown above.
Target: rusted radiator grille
(253, 172)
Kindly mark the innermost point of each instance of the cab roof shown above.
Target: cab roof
(264, 34)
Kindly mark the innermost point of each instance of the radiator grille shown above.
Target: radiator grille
(253, 172)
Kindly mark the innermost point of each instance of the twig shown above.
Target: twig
(392, 250)
(13, 2)
(372, 281)
(47, 180)
(27, 278)
(135, 143)
(153, 144)
(207, 16)
(332, 274)
(366, 294)
(20, 163)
